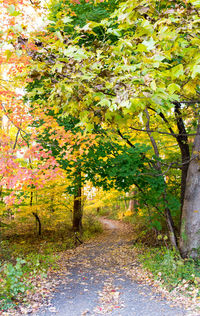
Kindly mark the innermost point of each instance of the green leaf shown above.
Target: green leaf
(57, 67)
(195, 2)
(12, 11)
(59, 35)
(114, 32)
(159, 57)
(177, 71)
(67, 19)
(125, 104)
(173, 87)
(141, 48)
(196, 71)
(105, 102)
(153, 85)
(150, 44)
(8, 54)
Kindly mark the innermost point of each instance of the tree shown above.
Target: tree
(74, 164)
(67, 142)
(141, 60)
(190, 239)
(146, 62)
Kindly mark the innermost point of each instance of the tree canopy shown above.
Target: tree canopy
(111, 96)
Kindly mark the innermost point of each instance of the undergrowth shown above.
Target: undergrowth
(172, 271)
(91, 227)
(24, 256)
(16, 277)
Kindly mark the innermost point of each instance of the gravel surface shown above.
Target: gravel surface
(97, 283)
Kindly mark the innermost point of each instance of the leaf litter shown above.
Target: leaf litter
(108, 255)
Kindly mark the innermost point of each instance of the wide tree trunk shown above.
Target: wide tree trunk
(190, 223)
(77, 212)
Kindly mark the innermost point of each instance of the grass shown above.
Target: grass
(172, 271)
(92, 227)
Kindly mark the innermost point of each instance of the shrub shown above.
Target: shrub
(15, 278)
(168, 267)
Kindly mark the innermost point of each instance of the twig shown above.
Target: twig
(16, 139)
(160, 132)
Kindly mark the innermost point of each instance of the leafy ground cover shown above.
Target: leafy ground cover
(109, 264)
(33, 267)
(173, 272)
(26, 259)
(95, 274)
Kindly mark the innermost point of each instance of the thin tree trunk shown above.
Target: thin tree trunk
(1, 193)
(39, 223)
(125, 204)
(31, 199)
(77, 212)
(36, 215)
(168, 216)
(131, 205)
(182, 140)
(190, 223)
(171, 228)
(132, 202)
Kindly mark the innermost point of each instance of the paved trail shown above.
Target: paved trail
(97, 283)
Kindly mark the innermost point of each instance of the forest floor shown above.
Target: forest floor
(103, 277)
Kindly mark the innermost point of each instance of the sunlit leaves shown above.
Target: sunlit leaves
(12, 11)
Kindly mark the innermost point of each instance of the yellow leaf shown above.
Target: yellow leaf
(128, 213)
(189, 88)
(120, 215)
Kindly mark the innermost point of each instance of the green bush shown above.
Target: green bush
(167, 266)
(12, 283)
(15, 278)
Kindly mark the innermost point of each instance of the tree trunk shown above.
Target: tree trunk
(182, 140)
(169, 220)
(39, 223)
(125, 204)
(171, 228)
(132, 203)
(131, 206)
(190, 222)
(77, 212)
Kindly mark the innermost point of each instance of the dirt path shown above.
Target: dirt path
(97, 281)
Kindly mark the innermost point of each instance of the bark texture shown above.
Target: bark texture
(190, 223)
(182, 140)
(77, 212)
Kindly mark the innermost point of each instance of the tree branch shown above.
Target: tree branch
(165, 120)
(126, 139)
(159, 132)
(16, 138)
(153, 142)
